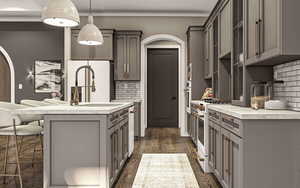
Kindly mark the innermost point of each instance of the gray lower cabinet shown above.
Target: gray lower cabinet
(231, 159)
(128, 55)
(225, 150)
(214, 149)
(137, 119)
(101, 52)
(271, 31)
(118, 139)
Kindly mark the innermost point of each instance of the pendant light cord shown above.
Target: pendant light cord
(90, 7)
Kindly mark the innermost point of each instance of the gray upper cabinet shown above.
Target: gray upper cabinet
(101, 52)
(128, 55)
(252, 28)
(209, 52)
(271, 31)
(225, 30)
(206, 54)
(195, 51)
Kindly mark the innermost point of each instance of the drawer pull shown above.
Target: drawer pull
(214, 115)
(231, 123)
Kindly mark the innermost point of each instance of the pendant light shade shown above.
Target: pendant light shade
(90, 34)
(60, 13)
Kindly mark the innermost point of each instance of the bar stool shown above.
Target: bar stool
(12, 127)
(34, 103)
(55, 102)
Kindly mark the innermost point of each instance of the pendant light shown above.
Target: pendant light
(90, 34)
(60, 13)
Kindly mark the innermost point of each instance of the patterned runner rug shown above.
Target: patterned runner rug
(165, 171)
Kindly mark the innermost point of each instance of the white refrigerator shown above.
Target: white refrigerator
(102, 79)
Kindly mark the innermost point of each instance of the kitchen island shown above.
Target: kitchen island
(254, 148)
(84, 146)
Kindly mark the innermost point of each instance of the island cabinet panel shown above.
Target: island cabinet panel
(225, 30)
(101, 52)
(118, 138)
(128, 55)
(271, 30)
(80, 146)
(74, 136)
(113, 157)
(73, 148)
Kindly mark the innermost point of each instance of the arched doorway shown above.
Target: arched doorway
(180, 45)
(7, 77)
(4, 80)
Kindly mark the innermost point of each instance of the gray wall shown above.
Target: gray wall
(26, 43)
(149, 25)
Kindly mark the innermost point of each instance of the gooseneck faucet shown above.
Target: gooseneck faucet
(75, 99)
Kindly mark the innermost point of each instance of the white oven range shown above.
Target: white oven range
(202, 134)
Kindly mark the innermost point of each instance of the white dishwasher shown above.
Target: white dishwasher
(131, 130)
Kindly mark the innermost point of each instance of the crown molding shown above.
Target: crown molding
(35, 16)
(149, 14)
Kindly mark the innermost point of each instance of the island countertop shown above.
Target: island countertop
(251, 114)
(83, 108)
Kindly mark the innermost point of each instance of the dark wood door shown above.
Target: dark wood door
(4, 79)
(162, 91)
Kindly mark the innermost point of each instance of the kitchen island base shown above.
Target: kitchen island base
(84, 150)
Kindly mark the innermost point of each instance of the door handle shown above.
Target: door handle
(174, 98)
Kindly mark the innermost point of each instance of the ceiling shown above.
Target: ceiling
(116, 7)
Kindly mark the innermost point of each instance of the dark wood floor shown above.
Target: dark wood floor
(157, 140)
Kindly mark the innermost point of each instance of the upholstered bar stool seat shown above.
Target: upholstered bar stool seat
(22, 130)
(56, 101)
(34, 103)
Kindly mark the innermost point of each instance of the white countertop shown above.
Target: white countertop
(96, 108)
(127, 100)
(249, 113)
(198, 102)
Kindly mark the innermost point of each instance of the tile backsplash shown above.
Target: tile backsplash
(290, 90)
(128, 90)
